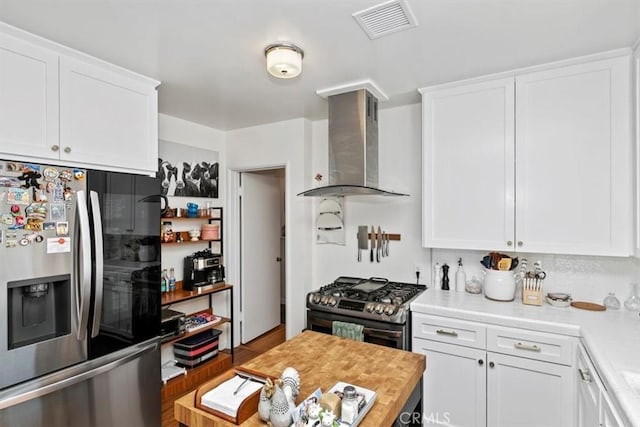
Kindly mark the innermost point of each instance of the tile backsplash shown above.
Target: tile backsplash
(586, 278)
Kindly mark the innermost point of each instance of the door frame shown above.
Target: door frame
(233, 262)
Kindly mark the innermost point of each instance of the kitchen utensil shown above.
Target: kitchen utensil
(504, 264)
(362, 241)
(386, 248)
(588, 306)
(379, 244)
(373, 243)
(384, 243)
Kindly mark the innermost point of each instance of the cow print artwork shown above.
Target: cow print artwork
(188, 177)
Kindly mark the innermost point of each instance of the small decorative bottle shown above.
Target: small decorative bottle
(172, 280)
(611, 302)
(461, 277)
(633, 302)
(445, 277)
(163, 281)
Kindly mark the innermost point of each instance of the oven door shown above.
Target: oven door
(387, 334)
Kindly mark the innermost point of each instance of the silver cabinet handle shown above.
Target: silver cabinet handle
(509, 243)
(449, 333)
(527, 347)
(520, 243)
(55, 147)
(585, 375)
(67, 150)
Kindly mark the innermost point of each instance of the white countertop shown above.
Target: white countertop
(611, 337)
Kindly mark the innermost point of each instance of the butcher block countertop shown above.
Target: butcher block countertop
(322, 360)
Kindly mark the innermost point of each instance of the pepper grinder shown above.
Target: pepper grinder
(445, 277)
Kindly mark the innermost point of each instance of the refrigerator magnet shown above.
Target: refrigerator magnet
(18, 196)
(57, 212)
(62, 228)
(48, 226)
(58, 245)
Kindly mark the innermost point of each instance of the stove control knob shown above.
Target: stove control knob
(324, 300)
(369, 307)
(379, 308)
(316, 298)
(389, 310)
(332, 301)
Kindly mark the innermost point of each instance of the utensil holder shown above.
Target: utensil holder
(532, 291)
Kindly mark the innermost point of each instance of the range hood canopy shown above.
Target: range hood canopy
(353, 147)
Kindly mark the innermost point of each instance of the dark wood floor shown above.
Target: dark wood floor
(243, 354)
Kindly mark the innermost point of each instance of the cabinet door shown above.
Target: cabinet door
(454, 384)
(610, 416)
(573, 159)
(107, 119)
(588, 391)
(468, 169)
(28, 99)
(528, 393)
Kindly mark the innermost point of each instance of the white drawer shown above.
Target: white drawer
(452, 331)
(532, 345)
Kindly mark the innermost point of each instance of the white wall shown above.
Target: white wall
(283, 144)
(400, 170)
(180, 131)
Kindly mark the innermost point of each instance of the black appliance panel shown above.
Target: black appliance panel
(130, 207)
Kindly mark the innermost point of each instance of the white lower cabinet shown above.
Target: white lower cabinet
(524, 392)
(595, 407)
(454, 384)
(467, 385)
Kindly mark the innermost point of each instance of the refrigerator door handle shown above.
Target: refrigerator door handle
(99, 265)
(68, 377)
(82, 264)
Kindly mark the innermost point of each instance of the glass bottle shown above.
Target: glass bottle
(633, 302)
(349, 407)
(163, 281)
(611, 302)
(172, 280)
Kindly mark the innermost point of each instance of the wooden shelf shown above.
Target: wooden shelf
(202, 218)
(181, 295)
(195, 376)
(222, 321)
(188, 239)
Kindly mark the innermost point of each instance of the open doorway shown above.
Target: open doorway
(262, 250)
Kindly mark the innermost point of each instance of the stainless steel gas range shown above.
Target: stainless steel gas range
(379, 305)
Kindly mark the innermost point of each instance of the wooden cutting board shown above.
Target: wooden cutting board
(588, 306)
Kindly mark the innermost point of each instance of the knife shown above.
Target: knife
(362, 241)
(373, 241)
(379, 245)
(385, 246)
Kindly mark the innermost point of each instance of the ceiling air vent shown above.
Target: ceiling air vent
(386, 18)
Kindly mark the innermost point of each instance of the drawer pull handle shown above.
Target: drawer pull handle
(521, 346)
(585, 375)
(449, 333)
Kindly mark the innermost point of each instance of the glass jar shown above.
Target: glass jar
(349, 407)
(633, 302)
(611, 302)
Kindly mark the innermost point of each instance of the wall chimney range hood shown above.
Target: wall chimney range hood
(353, 147)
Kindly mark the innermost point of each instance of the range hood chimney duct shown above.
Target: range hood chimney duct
(353, 147)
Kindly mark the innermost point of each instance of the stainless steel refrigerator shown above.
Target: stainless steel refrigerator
(79, 297)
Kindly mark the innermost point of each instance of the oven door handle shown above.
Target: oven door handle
(379, 333)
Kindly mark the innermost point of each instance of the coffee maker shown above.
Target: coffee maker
(202, 271)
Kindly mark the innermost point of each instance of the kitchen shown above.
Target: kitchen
(301, 143)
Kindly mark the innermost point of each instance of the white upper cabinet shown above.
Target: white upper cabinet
(28, 98)
(61, 106)
(574, 189)
(533, 161)
(106, 118)
(468, 169)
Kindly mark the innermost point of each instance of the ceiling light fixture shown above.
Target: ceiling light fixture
(284, 60)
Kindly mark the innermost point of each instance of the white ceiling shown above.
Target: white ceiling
(209, 53)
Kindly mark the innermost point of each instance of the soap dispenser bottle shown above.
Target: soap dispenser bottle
(461, 277)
